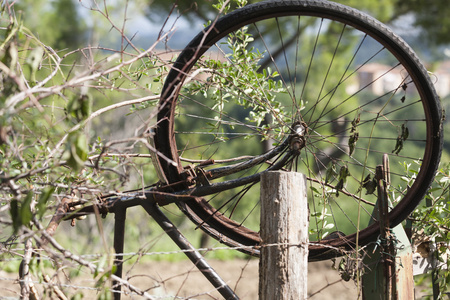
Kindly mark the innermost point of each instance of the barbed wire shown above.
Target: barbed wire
(37, 282)
(83, 287)
(179, 251)
(160, 282)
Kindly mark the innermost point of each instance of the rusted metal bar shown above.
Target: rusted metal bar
(435, 258)
(150, 200)
(198, 260)
(389, 272)
(110, 204)
(119, 238)
(387, 247)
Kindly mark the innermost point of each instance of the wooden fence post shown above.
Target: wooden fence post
(284, 221)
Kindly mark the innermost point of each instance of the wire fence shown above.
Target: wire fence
(158, 279)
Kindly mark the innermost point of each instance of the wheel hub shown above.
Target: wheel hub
(298, 140)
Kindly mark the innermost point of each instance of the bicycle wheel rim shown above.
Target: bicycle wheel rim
(232, 233)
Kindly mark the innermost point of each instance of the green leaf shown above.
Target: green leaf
(15, 215)
(43, 199)
(444, 179)
(403, 136)
(331, 173)
(355, 134)
(34, 61)
(101, 264)
(25, 210)
(343, 174)
(315, 190)
(352, 142)
(80, 107)
(329, 226)
(370, 185)
(398, 146)
(77, 150)
(405, 132)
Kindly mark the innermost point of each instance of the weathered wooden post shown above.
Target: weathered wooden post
(284, 221)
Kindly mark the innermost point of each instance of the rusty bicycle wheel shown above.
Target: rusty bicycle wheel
(309, 86)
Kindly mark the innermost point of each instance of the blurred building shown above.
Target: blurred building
(380, 79)
(441, 79)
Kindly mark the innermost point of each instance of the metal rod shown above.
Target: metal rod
(192, 253)
(119, 236)
(389, 251)
(434, 272)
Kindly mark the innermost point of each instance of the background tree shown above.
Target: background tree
(424, 13)
(56, 23)
(430, 16)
